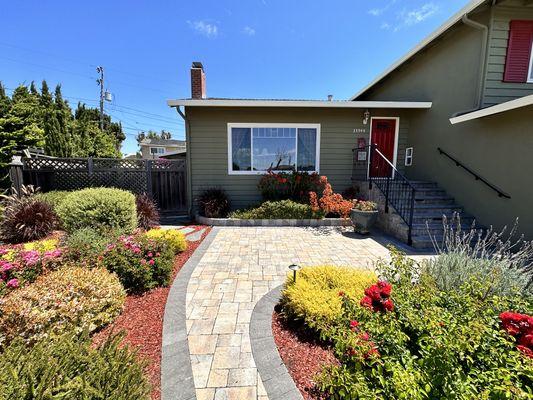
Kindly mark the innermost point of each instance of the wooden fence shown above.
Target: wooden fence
(164, 180)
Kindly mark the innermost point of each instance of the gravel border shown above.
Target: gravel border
(276, 379)
(177, 382)
(273, 222)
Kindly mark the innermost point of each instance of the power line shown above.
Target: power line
(84, 63)
(149, 117)
(46, 67)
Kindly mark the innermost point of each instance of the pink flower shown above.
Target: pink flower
(364, 336)
(143, 261)
(151, 262)
(150, 254)
(13, 283)
(354, 325)
(6, 266)
(30, 257)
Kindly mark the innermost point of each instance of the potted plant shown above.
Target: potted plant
(363, 215)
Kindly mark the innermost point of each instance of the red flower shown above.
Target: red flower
(366, 302)
(527, 351)
(373, 292)
(341, 294)
(388, 305)
(351, 352)
(354, 325)
(364, 336)
(386, 288)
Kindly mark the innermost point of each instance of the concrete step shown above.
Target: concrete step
(436, 216)
(424, 185)
(436, 208)
(433, 228)
(421, 192)
(424, 242)
(438, 199)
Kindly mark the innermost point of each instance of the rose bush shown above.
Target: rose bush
(405, 338)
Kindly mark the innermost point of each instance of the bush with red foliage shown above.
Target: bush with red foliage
(147, 212)
(26, 219)
(377, 297)
(519, 326)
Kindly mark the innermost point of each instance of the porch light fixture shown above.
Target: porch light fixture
(366, 117)
(294, 268)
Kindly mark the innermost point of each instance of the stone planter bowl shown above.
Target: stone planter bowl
(363, 220)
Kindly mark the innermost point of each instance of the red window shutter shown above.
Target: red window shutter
(518, 51)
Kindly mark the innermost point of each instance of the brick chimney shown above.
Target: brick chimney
(198, 81)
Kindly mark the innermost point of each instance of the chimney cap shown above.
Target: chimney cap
(197, 64)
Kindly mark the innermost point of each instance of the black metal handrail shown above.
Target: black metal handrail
(477, 177)
(396, 188)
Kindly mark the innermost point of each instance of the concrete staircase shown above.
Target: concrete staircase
(431, 204)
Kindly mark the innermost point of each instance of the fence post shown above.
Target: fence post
(90, 166)
(15, 174)
(149, 178)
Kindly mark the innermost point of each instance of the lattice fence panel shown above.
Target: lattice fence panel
(164, 180)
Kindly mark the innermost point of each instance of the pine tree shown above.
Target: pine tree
(5, 101)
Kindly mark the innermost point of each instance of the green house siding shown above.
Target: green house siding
(208, 145)
(497, 91)
(498, 148)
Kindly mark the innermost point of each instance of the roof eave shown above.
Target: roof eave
(300, 104)
(497, 109)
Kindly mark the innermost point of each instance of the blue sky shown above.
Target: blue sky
(249, 48)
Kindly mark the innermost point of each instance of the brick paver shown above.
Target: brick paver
(238, 268)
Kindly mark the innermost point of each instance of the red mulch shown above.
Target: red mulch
(142, 320)
(303, 354)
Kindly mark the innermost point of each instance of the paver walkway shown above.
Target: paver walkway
(240, 266)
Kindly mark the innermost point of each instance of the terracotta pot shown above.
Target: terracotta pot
(363, 220)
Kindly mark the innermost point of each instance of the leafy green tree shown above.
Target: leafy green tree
(164, 135)
(19, 128)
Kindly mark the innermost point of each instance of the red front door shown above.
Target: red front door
(383, 135)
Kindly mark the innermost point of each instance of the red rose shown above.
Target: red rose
(353, 325)
(528, 352)
(388, 305)
(366, 302)
(386, 288)
(373, 292)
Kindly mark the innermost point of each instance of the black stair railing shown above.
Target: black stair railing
(476, 176)
(398, 191)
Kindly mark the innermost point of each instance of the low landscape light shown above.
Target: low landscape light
(294, 268)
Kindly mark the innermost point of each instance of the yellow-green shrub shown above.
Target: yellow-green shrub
(174, 239)
(69, 297)
(314, 298)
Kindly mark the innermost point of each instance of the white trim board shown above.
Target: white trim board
(396, 140)
(271, 125)
(498, 108)
(420, 46)
(300, 103)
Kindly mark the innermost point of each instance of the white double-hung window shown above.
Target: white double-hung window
(257, 148)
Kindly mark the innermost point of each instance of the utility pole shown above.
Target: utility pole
(100, 81)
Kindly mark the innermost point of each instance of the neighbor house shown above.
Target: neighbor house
(157, 148)
(450, 124)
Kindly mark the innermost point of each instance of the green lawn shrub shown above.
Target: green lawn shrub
(86, 244)
(98, 208)
(430, 343)
(70, 297)
(69, 367)
(140, 263)
(283, 209)
(314, 297)
(53, 198)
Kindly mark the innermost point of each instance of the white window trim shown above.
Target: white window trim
(408, 156)
(271, 125)
(156, 147)
(396, 138)
(530, 71)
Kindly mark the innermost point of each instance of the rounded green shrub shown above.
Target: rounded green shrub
(69, 367)
(53, 198)
(99, 208)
